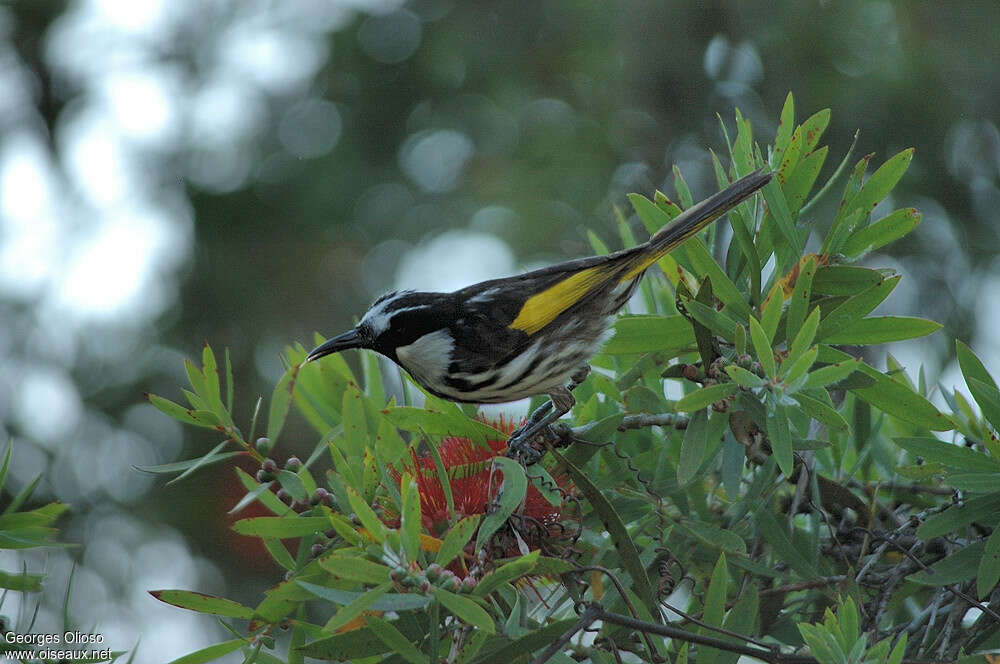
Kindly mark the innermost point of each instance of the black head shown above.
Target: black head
(395, 319)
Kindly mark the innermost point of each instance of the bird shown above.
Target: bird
(529, 334)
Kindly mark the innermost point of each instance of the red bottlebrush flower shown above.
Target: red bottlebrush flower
(474, 483)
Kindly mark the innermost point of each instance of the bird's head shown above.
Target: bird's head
(394, 320)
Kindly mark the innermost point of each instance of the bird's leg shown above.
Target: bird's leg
(560, 402)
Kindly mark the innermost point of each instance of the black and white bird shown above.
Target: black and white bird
(506, 339)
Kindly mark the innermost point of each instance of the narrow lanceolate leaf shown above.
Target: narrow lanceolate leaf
(202, 603)
(881, 182)
(456, 539)
(211, 653)
(802, 179)
(352, 568)
(620, 537)
(653, 218)
(955, 568)
(515, 487)
(984, 509)
(715, 608)
(409, 520)
(648, 333)
(782, 547)
(831, 373)
(786, 125)
(855, 308)
(882, 329)
(179, 412)
(798, 304)
(716, 321)
(971, 365)
(465, 610)
(821, 412)
(439, 423)
(744, 378)
(951, 456)
(762, 346)
(281, 527)
(367, 515)
(799, 367)
(692, 448)
(392, 637)
(704, 396)
(803, 340)
(281, 401)
(844, 279)
(887, 229)
(781, 439)
(988, 398)
(988, 573)
(506, 573)
(722, 285)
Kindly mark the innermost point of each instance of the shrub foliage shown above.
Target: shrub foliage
(797, 503)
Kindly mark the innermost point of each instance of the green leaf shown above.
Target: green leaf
(762, 347)
(281, 400)
(397, 642)
(801, 181)
(353, 604)
(211, 653)
(988, 573)
(410, 521)
(984, 509)
(515, 487)
(882, 329)
(177, 466)
(279, 553)
(781, 546)
(693, 448)
(831, 373)
(781, 439)
(437, 423)
(281, 527)
(844, 280)
(714, 537)
(881, 182)
(776, 205)
(887, 229)
(25, 583)
(743, 377)
(367, 515)
(465, 610)
(293, 484)
(813, 128)
(456, 539)
(804, 337)
(953, 568)
(971, 365)
(203, 603)
(722, 286)
(653, 218)
(620, 537)
(898, 400)
(353, 568)
(952, 456)
(798, 304)
(799, 367)
(506, 573)
(988, 398)
(645, 334)
(683, 191)
(704, 396)
(821, 412)
(503, 651)
(179, 412)
(716, 321)
(715, 608)
(855, 308)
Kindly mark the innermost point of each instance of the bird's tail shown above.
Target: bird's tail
(696, 218)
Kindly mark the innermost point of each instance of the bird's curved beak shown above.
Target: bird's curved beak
(349, 339)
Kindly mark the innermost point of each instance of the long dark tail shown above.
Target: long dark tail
(702, 214)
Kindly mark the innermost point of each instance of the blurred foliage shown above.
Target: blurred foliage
(791, 480)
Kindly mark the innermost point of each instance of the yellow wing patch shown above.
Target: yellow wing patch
(542, 308)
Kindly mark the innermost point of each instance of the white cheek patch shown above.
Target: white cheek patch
(428, 357)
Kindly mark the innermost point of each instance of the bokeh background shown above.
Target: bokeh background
(246, 172)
